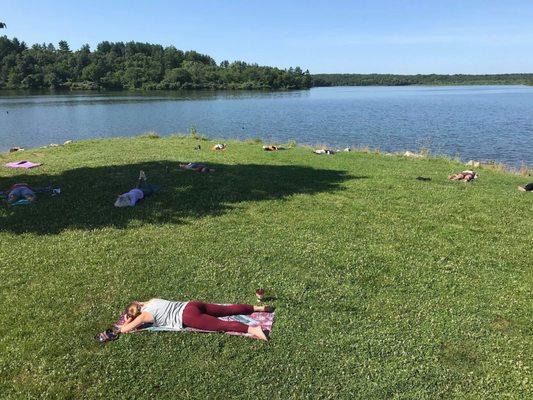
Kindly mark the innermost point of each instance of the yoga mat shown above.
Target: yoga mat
(22, 164)
(266, 320)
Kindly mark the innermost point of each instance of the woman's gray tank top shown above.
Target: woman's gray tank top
(167, 314)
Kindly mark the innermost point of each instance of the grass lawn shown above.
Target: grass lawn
(386, 286)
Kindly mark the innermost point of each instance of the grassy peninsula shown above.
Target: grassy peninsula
(385, 286)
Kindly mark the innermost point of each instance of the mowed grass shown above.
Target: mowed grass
(385, 286)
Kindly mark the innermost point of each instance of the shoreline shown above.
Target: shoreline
(240, 90)
(524, 170)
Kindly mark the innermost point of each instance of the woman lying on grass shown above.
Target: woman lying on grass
(324, 151)
(177, 315)
(141, 191)
(273, 148)
(21, 191)
(219, 147)
(466, 176)
(196, 167)
(526, 188)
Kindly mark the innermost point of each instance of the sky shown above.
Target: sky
(334, 36)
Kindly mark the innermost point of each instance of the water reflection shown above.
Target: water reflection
(11, 99)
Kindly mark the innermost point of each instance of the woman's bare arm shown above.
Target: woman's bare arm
(143, 318)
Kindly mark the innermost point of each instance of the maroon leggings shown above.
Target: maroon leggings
(203, 316)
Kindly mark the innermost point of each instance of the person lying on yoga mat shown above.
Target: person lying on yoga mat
(324, 151)
(177, 315)
(273, 148)
(196, 167)
(466, 176)
(20, 191)
(141, 191)
(219, 147)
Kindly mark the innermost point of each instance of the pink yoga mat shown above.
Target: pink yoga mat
(266, 320)
(22, 164)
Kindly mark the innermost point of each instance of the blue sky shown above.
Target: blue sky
(382, 36)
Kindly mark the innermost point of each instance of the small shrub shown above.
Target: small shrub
(179, 136)
(424, 152)
(524, 170)
(151, 135)
(492, 165)
(193, 133)
(292, 144)
(254, 141)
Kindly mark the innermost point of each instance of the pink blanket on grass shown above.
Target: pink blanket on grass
(264, 319)
(22, 164)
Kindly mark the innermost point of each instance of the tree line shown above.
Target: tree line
(431, 79)
(133, 65)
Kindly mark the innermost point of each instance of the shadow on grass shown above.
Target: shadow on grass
(88, 194)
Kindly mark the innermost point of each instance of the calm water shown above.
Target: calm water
(475, 122)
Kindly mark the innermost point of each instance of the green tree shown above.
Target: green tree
(177, 75)
(63, 46)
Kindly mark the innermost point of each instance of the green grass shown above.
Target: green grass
(386, 287)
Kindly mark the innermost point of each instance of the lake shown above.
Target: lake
(473, 122)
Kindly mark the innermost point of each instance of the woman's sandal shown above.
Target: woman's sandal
(106, 336)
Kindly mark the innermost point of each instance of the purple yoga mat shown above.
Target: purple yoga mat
(22, 164)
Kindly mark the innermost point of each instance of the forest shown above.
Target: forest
(145, 66)
(431, 79)
(132, 65)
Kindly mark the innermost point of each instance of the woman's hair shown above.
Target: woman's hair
(123, 200)
(133, 310)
